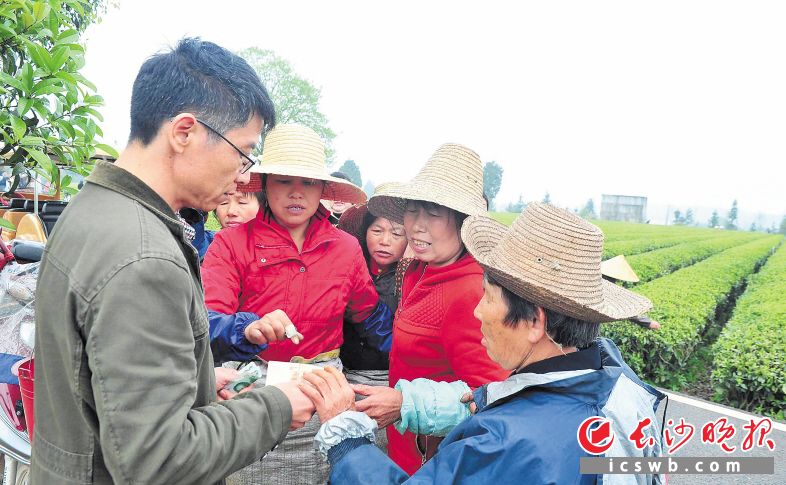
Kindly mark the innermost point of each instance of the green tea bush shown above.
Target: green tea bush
(653, 264)
(685, 303)
(629, 247)
(750, 354)
(623, 231)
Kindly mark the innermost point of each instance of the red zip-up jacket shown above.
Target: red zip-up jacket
(255, 268)
(436, 336)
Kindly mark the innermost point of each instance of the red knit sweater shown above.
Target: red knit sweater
(436, 336)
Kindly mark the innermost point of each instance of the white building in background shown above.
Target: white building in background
(627, 208)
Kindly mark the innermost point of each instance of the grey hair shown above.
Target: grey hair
(564, 330)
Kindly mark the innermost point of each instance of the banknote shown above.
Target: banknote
(278, 372)
(249, 373)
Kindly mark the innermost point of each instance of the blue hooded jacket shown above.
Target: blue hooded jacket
(202, 238)
(525, 431)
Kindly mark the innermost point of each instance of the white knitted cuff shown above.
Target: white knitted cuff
(349, 424)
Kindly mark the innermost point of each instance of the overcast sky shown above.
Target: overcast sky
(683, 102)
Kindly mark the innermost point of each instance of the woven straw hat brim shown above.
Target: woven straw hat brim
(297, 151)
(619, 269)
(452, 177)
(336, 189)
(390, 200)
(352, 221)
(481, 236)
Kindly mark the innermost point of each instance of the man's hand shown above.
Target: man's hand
(270, 328)
(224, 376)
(329, 390)
(302, 407)
(383, 404)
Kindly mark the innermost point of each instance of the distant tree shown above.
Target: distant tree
(368, 188)
(731, 218)
(351, 170)
(546, 199)
(678, 218)
(492, 181)
(517, 206)
(782, 229)
(714, 220)
(295, 98)
(689, 217)
(753, 227)
(588, 211)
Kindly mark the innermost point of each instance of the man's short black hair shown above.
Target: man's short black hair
(564, 330)
(202, 78)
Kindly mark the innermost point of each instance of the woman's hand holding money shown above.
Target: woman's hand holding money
(272, 327)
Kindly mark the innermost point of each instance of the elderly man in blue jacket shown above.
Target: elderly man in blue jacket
(544, 299)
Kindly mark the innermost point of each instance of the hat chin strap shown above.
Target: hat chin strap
(523, 362)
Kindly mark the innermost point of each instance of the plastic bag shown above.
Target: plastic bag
(17, 308)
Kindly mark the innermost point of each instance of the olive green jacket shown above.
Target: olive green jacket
(124, 380)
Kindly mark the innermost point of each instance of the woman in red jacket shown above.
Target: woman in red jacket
(289, 265)
(435, 334)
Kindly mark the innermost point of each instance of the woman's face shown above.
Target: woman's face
(386, 242)
(432, 233)
(505, 345)
(239, 208)
(293, 200)
(337, 207)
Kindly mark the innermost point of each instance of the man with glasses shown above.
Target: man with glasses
(245, 161)
(125, 386)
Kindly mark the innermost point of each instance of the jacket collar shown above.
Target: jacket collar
(589, 385)
(431, 275)
(116, 179)
(587, 358)
(268, 232)
(375, 271)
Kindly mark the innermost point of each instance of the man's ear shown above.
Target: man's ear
(537, 327)
(180, 131)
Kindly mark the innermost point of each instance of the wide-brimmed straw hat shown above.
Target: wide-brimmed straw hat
(551, 257)
(452, 177)
(297, 151)
(351, 221)
(619, 269)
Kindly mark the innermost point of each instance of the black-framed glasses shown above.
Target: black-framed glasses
(247, 163)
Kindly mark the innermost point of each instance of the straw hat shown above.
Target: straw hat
(452, 177)
(551, 257)
(351, 221)
(297, 151)
(619, 269)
